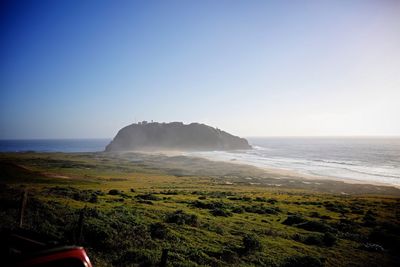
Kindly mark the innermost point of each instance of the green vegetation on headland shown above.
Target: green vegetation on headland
(205, 213)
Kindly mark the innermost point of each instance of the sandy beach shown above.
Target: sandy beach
(236, 172)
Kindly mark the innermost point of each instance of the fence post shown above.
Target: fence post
(164, 258)
(80, 225)
(24, 197)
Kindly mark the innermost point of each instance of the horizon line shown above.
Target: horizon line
(256, 136)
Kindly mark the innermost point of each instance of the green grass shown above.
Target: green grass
(161, 203)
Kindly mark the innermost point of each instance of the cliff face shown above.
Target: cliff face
(174, 136)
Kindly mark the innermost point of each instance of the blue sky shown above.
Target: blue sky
(72, 69)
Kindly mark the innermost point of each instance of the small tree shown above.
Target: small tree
(251, 243)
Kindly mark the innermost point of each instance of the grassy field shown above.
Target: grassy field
(205, 213)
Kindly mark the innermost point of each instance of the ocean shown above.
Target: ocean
(54, 145)
(362, 159)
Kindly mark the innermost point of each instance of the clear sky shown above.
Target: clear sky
(72, 69)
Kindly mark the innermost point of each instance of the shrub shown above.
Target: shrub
(235, 198)
(93, 199)
(114, 192)
(200, 204)
(75, 193)
(329, 239)
(118, 230)
(385, 238)
(357, 210)
(345, 225)
(302, 261)
(137, 257)
(211, 205)
(272, 201)
(145, 202)
(315, 226)
(369, 218)
(179, 217)
(316, 240)
(228, 255)
(220, 212)
(336, 207)
(198, 256)
(238, 210)
(251, 243)
(294, 219)
(158, 230)
(259, 209)
(147, 197)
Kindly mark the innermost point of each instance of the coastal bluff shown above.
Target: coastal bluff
(144, 136)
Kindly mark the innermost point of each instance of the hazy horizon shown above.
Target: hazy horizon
(85, 69)
(247, 137)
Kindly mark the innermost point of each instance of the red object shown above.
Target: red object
(69, 256)
(24, 248)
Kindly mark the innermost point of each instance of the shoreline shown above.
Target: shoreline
(286, 173)
(219, 173)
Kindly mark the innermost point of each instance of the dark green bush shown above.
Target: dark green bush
(93, 199)
(229, 255)
(237, 210)
(181, 218)
(369, 218)
(74, 193)
(145, 202)
(198, 256)
(302, 261)
(137, 257)
(115, 192)
(200, 204)
(345, 225)
(220, 212)
(210, 205)
(158, 230)
(147, 197)
(251, 243)
(382, 236)
(272, 201)
(329, 239)
(336, 207)
(315, 226)
(316, 240)
(294, 219)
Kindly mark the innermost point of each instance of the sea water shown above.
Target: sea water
(362, 159)
(54, 145)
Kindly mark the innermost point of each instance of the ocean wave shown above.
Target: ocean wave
(356, 170)
(337, 162)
